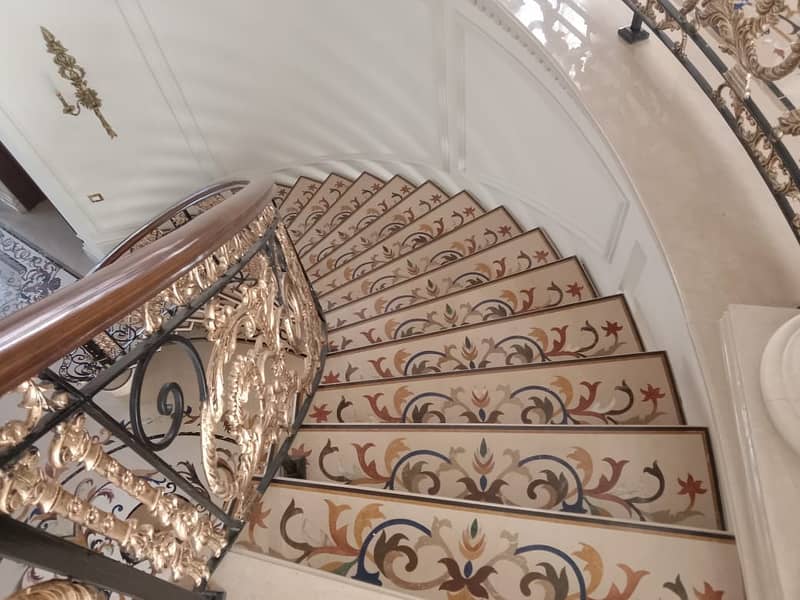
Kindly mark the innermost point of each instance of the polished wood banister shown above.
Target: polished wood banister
(38, 335)
(125, 245)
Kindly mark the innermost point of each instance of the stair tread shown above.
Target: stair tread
(654, 474)
(512, 256)
(434, 545)
(364, 187)
(301, 215)
(418, 203)
(634, 389)
(394, 192)
(484, 232)
(596, 327)
(302, 191)
(358, 258)
(524, 292)
(278, 193)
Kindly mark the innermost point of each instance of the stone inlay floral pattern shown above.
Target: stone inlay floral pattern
(484, 232)
(363, 188)
(494, 300)
(530, 250)
(419, 203)
(593, 328)
(326, 196)
(358, 259)
(628, 390)
(447, 551)
(650, 474)
(301, 193)
(384, 200)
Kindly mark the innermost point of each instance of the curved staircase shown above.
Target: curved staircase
(489, 425)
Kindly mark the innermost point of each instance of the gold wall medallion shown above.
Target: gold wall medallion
(69, 69)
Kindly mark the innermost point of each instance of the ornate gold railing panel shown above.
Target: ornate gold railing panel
(248, 305)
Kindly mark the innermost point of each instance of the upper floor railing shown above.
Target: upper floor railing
(207, 344)
(744, 55)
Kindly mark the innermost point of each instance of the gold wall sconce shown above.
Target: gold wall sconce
(70, 70)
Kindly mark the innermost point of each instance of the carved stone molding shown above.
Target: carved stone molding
(780, 381)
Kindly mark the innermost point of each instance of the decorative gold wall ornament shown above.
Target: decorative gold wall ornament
(25, 484)
(58, 589)
(37, 398)
(69, 69)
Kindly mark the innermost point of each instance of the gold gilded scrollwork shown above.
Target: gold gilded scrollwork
(25, 484)
(70, 70)
(37, 398)
(58, 589)
(253, 392)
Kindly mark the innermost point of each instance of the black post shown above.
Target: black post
(634, 33)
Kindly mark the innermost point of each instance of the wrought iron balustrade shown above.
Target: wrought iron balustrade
(744, 56)
(87, 491)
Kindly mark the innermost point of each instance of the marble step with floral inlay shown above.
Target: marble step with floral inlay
(598, 327)
(635, 389)
(484, 232)
(301, 193)
(524, 292)
(384, 200)
(363, 188)
(360, 257)
(658, 474)
(449, 549)
(301, 215)
(425, 199)
(527, 251)
(278, 193)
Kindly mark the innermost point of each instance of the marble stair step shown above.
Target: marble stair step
(446, 549)
(655, 474)
(303, 213)
(299, 195)
(364, 187)
(635, 389)
(484, 232)
(393, 193)
(358, 258)
(529, 250)
(599, 327)
(278, 193)
(559, 284)
(419, 203)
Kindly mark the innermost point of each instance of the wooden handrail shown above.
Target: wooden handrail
(125, 245)
(40, 334)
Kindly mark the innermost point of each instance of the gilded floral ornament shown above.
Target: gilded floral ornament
(58, 589)
(37, 398)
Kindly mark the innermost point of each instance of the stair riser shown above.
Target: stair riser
(466, 551)
(658, 475)
(361, 259)
(594, 328)
(524, 252)
(308, 212)
(392, 194)
(525, 292)
(301, 193)
(420, 203)
(356, 196)
(484, 232)
(626, 390)
(278, 194)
